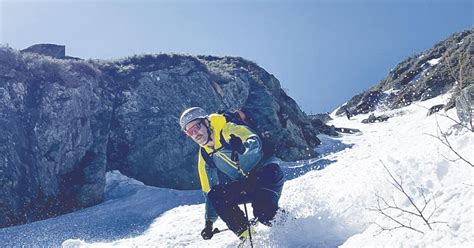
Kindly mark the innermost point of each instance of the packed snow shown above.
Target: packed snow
(391, 91)
(332, 200)
(433, 62)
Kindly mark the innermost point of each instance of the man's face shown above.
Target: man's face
(197, 131)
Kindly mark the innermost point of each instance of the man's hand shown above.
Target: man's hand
(236, 144)
(207, 232)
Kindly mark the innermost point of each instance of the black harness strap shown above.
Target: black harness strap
(207, 157)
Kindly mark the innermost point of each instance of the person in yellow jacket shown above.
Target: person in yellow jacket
(232, 170)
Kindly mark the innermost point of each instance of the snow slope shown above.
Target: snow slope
(129, 208)
(331, 206)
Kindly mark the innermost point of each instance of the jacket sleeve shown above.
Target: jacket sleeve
(210, 213)
(252, 143)
(208, 178)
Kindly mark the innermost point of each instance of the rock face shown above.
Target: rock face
(319, 124)
(321, 117)
(434, 109)
(420, 77)
(372, 118)
(53, 132)
(146, 142)
(64, 122)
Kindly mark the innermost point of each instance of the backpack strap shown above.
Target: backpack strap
(207, 157)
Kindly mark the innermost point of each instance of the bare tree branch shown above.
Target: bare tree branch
(456, 121)
(450, 160)
(400, 224)
(401, 189)
(444, 140)
(403, 221)
(426, 201)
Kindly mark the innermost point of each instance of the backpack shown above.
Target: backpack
(240, 118)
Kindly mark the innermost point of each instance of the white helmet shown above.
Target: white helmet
(191, 114)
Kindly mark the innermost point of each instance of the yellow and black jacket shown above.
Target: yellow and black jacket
(221, 157)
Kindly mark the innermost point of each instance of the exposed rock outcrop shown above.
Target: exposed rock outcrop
(53, 130)
(153, 90)
(372, 118)
(319, 124)
(434, 109)
(420, 77)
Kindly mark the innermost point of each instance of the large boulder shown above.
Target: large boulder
(372, 118)
(152, 90)
(434, 109)
(53, 133)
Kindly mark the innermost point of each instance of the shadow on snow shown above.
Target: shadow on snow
(328, 146)
(128, 211)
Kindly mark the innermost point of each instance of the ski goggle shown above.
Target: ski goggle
(193, 129)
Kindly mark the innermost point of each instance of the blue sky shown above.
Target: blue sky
(323, 52)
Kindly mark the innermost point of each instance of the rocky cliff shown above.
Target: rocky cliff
(65, 121)
(151, 91)
(421, 76)
(53, 130)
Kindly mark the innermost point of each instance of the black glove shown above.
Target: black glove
(207, 232)
(236, 144)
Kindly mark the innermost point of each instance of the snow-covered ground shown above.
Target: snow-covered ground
(332, 206)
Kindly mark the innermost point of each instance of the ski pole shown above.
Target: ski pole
(245, 204)
(235, 158)
(248, 225)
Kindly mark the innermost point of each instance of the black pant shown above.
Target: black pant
(262, 189)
